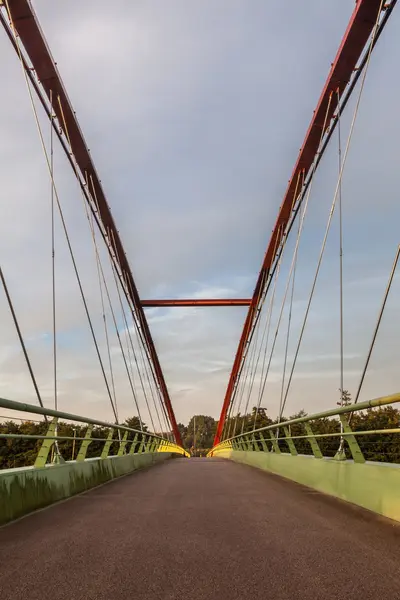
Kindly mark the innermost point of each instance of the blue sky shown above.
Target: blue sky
(194, 113)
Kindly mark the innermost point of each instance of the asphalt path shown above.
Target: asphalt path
(200, 529)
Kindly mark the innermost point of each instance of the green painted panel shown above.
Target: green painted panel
(27, 489)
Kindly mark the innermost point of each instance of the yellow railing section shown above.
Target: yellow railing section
(170, 447)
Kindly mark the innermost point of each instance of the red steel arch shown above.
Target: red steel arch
(358, 31)
(35, 46)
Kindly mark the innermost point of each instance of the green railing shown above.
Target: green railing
(300, 436)
(127, 439)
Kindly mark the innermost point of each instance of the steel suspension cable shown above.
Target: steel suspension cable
(249, 372)
(53, 270)
(267, 325)
(388, 287)
(294, 259)
(89, 217)
(267, 330)
(100, 266)
(340, 256)
(20, 337)
(329, 132)
(240, 384)
(332, 206)
(140, 345)
(289, 323)
(56, 196)
(127, 330)
(246, 350)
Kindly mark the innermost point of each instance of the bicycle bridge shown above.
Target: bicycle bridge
(294, 505)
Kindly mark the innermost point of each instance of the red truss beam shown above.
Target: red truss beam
(35, 46)
(358, 31)
(197, 302)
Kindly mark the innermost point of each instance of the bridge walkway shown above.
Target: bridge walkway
(202, 529)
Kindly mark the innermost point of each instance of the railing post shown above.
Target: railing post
(275, 443)
(313, 442)
(255, 444)
(249, 443)
(134, 444)
(355, 449)
(142, 444)
(46, 445)
(123, 444)
(263, 442)
(289, 441)
(153, 445)
(107, 445)
(85, 444)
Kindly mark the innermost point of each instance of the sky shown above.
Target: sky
(194, 113)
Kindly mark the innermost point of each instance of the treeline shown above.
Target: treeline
(381, 447)
(23, 452)
(198, 435)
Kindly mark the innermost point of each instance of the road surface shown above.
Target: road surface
(200, 529)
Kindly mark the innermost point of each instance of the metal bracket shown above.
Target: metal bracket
(134, 444)
(142, 444)
(46, 445)
(290, 442)
(108, 443)
(313, 442)
(355, 449)
(263, 442)
(249, 442)
(275, 444)
(153, 446)
(123, 444)
(85, 444)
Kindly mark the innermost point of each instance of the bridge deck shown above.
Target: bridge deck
(200, 529)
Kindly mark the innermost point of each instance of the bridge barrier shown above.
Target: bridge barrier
(52, 478)
(346, 474)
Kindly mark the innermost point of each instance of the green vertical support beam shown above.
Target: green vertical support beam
(249, 443)
(275, 444)
(255, 444)
(355, 449)
(85, 444)
(313, 442)
(153, 446)
(134, 444)
(263, 442)
(142, 444)
(108, 443)
(46, 445)
(290, 442)
(123, 444)
(156, 445)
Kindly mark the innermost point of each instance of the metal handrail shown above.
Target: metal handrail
(148, 441)
(49, 412)
(251, 440)
(375, 403)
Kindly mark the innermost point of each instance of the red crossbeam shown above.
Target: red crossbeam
(197, 302)
(355, 38)
(34, 43)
